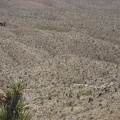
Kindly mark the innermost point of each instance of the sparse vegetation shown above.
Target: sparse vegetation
(68, 53)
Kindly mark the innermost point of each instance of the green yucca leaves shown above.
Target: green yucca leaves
(9, 95)
(15, 108)
(17, 87)
(21, 107)
(3, 113)
(25, 116)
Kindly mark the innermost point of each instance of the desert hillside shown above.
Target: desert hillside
(68, 54)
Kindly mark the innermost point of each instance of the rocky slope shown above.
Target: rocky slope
(67, 53)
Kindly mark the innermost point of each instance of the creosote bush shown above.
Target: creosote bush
(13, 107)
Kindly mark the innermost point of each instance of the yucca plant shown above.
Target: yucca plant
(14, 108)
(3, 113)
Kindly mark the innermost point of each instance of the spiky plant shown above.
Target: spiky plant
(3, 113)
(14, 108)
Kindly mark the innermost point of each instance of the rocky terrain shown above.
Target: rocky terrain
(68, 54)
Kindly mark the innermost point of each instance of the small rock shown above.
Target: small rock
(2, 96)
(111, 112)
(99, 94)
(90, 99)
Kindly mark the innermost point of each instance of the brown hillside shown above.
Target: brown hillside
(68, 54)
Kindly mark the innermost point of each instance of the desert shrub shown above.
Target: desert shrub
(13, 107)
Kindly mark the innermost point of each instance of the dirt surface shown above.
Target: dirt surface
(68, 54)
